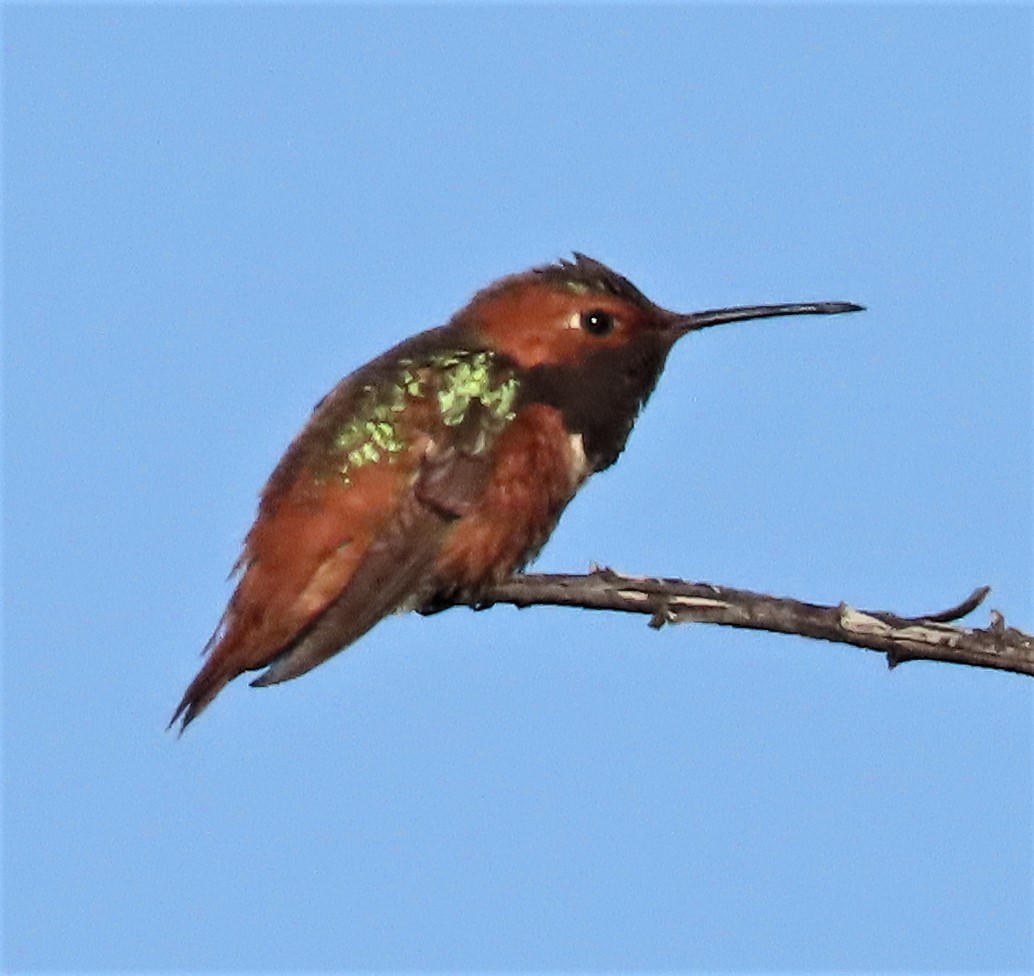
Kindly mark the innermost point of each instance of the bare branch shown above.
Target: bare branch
(931, 637)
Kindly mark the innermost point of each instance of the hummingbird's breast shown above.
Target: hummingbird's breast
(537, 466)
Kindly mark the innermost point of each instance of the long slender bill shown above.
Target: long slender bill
(695, 321)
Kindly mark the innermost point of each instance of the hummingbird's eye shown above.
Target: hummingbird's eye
(597, 322)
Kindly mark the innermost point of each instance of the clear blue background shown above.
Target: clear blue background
(210, 215)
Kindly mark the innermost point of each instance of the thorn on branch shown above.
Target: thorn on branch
(962, 609)
(664, 614)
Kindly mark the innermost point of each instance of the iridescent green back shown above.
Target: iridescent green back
(458, 383)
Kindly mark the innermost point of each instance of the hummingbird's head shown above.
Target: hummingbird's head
(570, 312)
(562, 313)
(591, 344)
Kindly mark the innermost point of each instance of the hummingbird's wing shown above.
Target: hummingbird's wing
(396, 564)
(352, 518)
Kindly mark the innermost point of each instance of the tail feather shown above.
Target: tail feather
(210, 680)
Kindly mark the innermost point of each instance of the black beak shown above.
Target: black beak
(681, 324)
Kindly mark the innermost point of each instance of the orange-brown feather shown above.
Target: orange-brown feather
(298, 557)
(536, 323)
(302, 555)
(534, 475)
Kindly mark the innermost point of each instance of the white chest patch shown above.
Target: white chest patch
(579, 462)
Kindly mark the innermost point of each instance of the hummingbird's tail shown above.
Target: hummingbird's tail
(210, 680)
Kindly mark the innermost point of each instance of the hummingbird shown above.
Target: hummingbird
(442, 466)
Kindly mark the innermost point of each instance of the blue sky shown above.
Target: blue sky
(211, 214)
